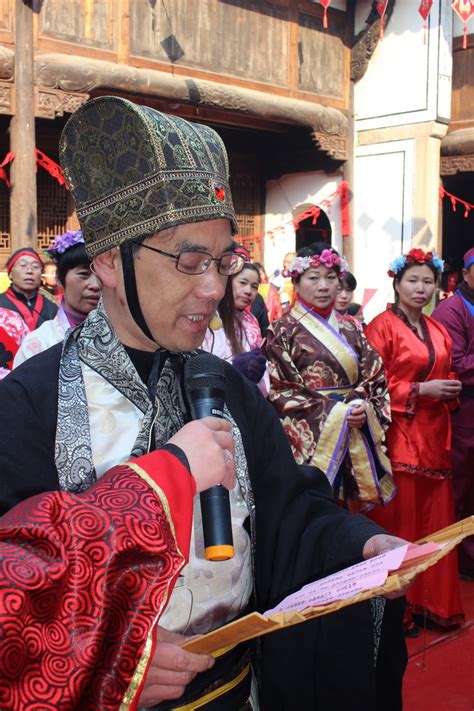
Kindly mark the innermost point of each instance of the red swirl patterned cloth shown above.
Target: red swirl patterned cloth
(83, 580)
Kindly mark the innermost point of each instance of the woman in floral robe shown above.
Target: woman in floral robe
(328, 385)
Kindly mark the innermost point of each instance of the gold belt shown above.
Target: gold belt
(215, 693)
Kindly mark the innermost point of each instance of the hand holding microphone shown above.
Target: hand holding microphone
(204, 385)
(209, 448)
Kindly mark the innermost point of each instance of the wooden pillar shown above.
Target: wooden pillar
(23, 212)
(348, 170)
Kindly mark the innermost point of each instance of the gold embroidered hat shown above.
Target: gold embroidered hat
(133, 171)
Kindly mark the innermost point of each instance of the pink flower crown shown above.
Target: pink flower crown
(328, 258)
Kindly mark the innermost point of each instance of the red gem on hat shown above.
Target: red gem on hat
(220, 192)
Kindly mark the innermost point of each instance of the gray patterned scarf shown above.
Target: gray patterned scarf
(95, 343)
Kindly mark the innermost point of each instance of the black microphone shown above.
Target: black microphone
(204, 384)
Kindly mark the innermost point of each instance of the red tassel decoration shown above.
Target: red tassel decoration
(325, 4)
(464, 9)
(344, 204)
(381, 8)
(424, 10)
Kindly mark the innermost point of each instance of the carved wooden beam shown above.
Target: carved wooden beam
(63, 82)
(367, 40)
(72, 74)
(7, 64)
(7, 98)
(50, 103)
(450, 165)
(334, 146)
(457, 152)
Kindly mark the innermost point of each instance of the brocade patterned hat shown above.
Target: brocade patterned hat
(133, 171)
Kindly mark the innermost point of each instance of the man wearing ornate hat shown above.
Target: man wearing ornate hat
(457, 315)
(24, 268)
(153, 199)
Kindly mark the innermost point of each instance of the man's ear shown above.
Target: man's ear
(108, 267)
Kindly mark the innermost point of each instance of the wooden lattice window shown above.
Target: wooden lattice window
(246, 186)
(52, 208)
(5, 240)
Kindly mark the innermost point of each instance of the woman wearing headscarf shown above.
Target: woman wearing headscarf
(81, 293)
(24, 268)
(328, 385)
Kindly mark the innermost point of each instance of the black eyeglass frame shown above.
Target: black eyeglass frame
(205, 264)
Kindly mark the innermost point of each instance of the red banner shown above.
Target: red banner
(53, 168)
(3, 173)
(468, 206)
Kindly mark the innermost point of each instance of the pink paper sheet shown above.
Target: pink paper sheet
(362, 576)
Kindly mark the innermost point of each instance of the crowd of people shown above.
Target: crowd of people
(340, 440)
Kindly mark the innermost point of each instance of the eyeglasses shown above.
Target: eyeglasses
(34, 266)
(194, 262)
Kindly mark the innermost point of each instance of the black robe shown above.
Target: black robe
(301, 534)
(48, 309)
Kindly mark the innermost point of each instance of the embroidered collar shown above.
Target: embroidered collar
(403, 317)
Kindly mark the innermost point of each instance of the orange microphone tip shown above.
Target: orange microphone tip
(223, 552)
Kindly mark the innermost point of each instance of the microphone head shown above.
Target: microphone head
(204, 371)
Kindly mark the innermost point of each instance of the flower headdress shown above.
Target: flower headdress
(328, 258)
(415, 256)
(63, 242)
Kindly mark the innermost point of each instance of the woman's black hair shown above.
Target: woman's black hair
(398, 277)
(349, 281)
(353, 309)
(75, 256)
(316, 248)
(228, 313)
(253, 267)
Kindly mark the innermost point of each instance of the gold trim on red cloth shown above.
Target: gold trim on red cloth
(145, 659)
(216, 693)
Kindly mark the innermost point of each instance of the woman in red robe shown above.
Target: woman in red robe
(416, 352)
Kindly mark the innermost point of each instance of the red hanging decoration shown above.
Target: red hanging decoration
(53, 168)
(381, 7)
(3, 174)
(424, 10)
(314, 211)
(464, 9)
(455, 200)
(325, 4)
(345, 214)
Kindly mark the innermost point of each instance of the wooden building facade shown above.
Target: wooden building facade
(264, 73)
(457, 155)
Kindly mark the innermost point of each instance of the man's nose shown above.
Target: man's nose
(211, 284)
